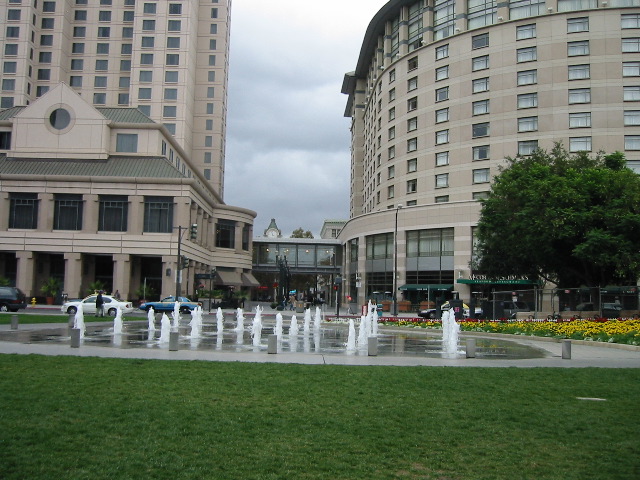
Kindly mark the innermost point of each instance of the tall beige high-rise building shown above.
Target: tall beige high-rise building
(442, 93)
(112, 146)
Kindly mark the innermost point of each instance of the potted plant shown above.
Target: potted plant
(50, 288)
(95, 287)
(144, 292)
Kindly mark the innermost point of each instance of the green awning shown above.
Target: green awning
(424, 286)
(501, 281)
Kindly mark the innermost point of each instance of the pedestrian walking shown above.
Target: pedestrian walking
(99, 305)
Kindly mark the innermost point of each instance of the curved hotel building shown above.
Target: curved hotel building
(442, 93)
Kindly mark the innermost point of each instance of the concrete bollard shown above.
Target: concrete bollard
(272, 344)
(174, 340)
(14, 322)
(566, 349)
(372, 346)
(471, 348)
(75, 338)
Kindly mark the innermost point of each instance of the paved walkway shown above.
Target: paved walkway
(583, 354)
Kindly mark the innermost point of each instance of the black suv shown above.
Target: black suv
(12, 299)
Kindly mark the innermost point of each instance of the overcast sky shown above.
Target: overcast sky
(287, 151)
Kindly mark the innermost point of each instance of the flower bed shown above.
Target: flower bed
(626, 331)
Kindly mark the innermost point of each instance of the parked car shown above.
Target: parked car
(512, 308)
(12, 299)
(433, 313)
(167, 304)
(89, 305)
(609, 310)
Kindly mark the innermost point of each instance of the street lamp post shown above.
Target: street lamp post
(395, 264)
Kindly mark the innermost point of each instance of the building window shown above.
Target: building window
(144, 93)
(527, 100)
(412, 104)
(480, 85)
(23, 210)
(573, 5)
(412, 165)
(631, 118)
(481, 175)
(391, 152)
(225, 234)
(146, 76)
(580, 144)
(13, 14)
(442, 94)
(13, 32)
(113, 213)
(442, 180)
(630, 69)
(170, 93)
(146, 59)
(169, 111)
(481, 152)
(412, 124)
(104, 32)
(480, 41)
(412, 144)
(48, 23)
(173, 25)
(632, 94)
(412, 186)
(442, 73)
(632, 142)
(8, 84)
(104, 16)
(100, 81)
(580, 120)
(528, 54)
(480, 107)
(442, 115)
(79, 32)
(525, 9)
(527, 147)
(9, 67)
(46, 40)
(442, 136)
(67, 213)
(390, 191)
(173, 42)
(480, 195)
(75, 81)
(576, 49)
(44, 74)
(527, 124)
(442, 51)
(441, 199)
(579, 72)
(123, 99)
(630, 20)
(412, 63)
(127, 142)
(391, 133)
(580, 24)
(158, 214)
(148, 25)
(148, 42)
(11, 49)
(412, 84)
(480, 130)
(480, 63)
(631, 45)
(525, 31)
(442, 158)
(579, 95)
(171, 76)
(102, 65)
(99, 98)
(392, 95)
(527, 77)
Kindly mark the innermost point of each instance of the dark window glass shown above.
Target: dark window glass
(67, 213)
(23, 210)
(113, 213)
(158, 214)
(225, 234)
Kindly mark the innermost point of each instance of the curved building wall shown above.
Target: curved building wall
(443, 93)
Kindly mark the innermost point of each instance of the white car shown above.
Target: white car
(89, 305)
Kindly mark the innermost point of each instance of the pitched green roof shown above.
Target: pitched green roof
(114, 166)
(115, 114)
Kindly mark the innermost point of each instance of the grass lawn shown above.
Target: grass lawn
(89, 418)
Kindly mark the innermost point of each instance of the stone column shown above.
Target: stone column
(136, 214)
(169, 281)
(5, 206)
(46, 212)
(122, 275)
(90, 214)
(73, 275)
(25, 276)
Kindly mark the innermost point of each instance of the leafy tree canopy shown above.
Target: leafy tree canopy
(301, 233)
(570, 219)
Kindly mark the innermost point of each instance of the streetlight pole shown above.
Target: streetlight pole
(395, 264)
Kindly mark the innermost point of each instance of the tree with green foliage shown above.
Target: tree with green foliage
(570, 219)
(301, 233)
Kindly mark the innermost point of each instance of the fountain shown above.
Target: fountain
(278, 329)
(256, 330)
(220, 321)
(450, 329)
(196, 322)
(78, 320)
(293, 328)
(351, 339)
(176, 316)
(317, 319)
(307, 321)
(151, 317)
(165, 329)
(117, 322)
(240, 319)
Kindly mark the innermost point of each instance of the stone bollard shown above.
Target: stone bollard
(566, 349)
(174, 340)
(372, 346)
(471, 348)
(14, 322)
(75, 338)
(272, 344)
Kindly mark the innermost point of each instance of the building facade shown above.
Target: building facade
(442, 93)
(112, 147)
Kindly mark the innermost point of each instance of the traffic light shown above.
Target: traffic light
(185, 262)
(193, 231)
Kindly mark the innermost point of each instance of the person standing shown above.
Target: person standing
(99, 305)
